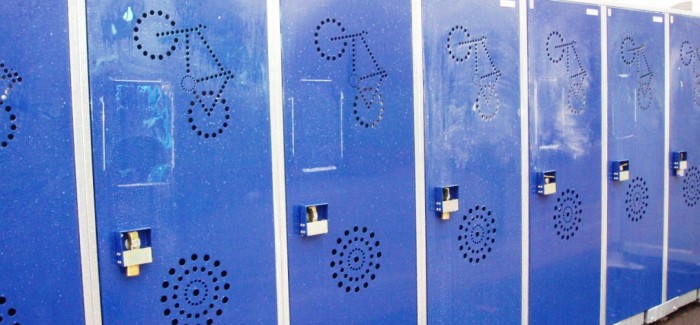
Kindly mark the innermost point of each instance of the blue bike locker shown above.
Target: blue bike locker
(40, 252)
(565, 152)
(635, 178)
(684, 187)
(182, 165)
(472, 136)
(349, 154)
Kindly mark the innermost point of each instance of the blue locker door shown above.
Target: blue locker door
(472, 105)
(180, 126)
(635, 120)
(564, 78)
(39, 254)
(684, 192)
(349, 152)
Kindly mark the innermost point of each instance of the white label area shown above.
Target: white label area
(592, 12)
(508, 3)
(658, 19)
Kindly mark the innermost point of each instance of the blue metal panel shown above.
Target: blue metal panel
(39, 254)
(180, 121)
(684, 192)
(564, 77)
(472, 102)
(635, 120)
(348, 114)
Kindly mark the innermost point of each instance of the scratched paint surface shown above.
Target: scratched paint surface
(472, 119)
(181, 138)
(635, 120)
(684, 192)
(348, 117)
(564, 99)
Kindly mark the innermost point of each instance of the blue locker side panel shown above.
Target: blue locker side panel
(684, 192)
(39, 254)
(348, 116)
(180, 126)
(564, 78)
(635, 120)
(472, 105)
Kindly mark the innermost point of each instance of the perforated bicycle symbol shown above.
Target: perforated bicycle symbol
(10, 78)
(632, 53)
(331, 40)
(690, 55)
(156, 36)
(460, 47)
(557, 50)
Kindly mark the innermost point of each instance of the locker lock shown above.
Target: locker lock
(447, 201)
(313, 219)
(680, 163)
(621, 170)
(547, 182)
(134, 250)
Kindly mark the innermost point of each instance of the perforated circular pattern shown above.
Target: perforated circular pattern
(8, 314)
(195, 291)
(637, 199)
(554, 47)
(687, 53)
(477, 234)
(691, 187)
(7, 131)
(567, 214)
(355, 259)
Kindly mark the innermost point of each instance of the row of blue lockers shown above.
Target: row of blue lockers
(441, 161)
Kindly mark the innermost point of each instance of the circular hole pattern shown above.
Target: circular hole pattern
(356, 259)
(8, 132)
(8, 313)
(628, 50)
(459, 46)
(477, 234)
(555, 47)
(637, 199)
(691, 187)
(195, 291)
(567, 214)
(151, 27)
(687, 53)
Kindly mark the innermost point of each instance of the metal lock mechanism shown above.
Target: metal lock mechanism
(313, 219)
(446, 201)
(134, 250)
(680, 163)
(621, 170)
(547, 182)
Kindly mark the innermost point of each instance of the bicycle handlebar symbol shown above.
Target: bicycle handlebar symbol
(558, 50)
(690, 55)
(9, 78)
(331, 40)
(460, 47)
(632, 53)
(209, 113)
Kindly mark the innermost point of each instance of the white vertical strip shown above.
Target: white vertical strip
(524, 167)
(667, 153)
(77, 29)
(604, 163)
(274, 52)
(419, 135)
